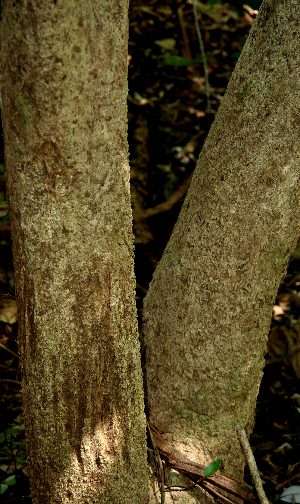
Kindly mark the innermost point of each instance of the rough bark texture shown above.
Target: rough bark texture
(64, 112)
(208, 309)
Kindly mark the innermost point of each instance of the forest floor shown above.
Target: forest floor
(168, 122)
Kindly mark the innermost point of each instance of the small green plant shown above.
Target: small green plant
(12, 448)
(212, 468)
(9, 481)
(12, 451)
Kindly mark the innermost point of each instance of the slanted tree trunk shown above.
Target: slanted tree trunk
(208, 309)
(64, 71)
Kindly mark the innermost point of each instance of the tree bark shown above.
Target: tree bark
(208, 310)
(64, 112)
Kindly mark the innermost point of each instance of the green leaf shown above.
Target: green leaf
(2, 168)
(5, 450)
(22, 446)
(12, 432)
(179, 61)
(10, 480)
(5, 218)
(21, 459)
(3, 202)
(167, 44)
(3, 488)
(212, 468)
(174, 60)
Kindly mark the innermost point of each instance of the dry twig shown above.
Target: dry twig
(207, 91)
(9, 350)
(252, 466)
(7, 296)
(11, 382)
(168, 204)
(186, 46)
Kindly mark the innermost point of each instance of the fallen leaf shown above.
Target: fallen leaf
(8, 311)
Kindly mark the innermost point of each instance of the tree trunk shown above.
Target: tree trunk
(208, 309)
(64, 93)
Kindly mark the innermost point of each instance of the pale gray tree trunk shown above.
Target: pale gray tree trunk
(208, 309)
(64, 71)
